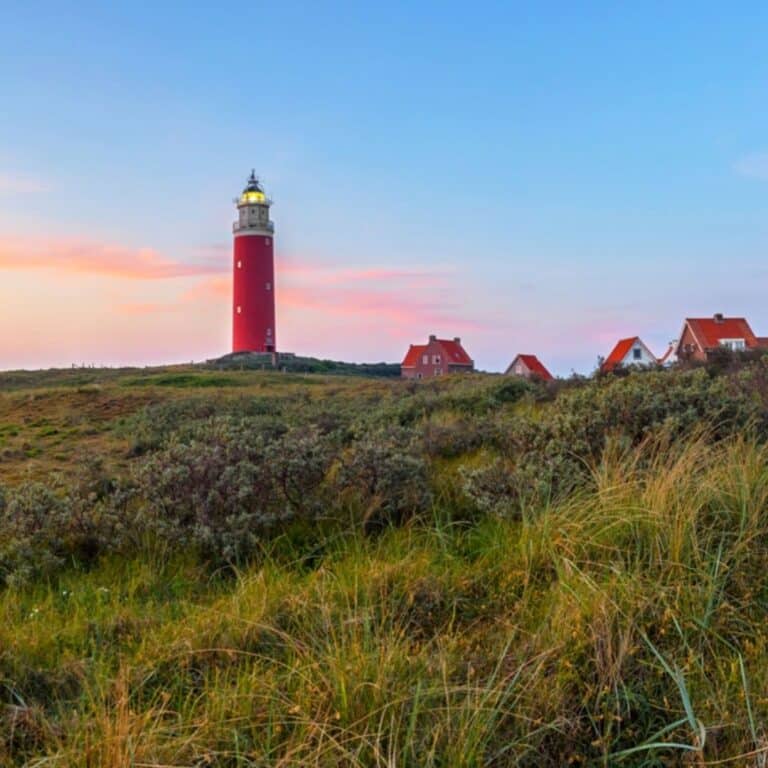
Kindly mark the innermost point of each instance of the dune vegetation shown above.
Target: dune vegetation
(301, 570)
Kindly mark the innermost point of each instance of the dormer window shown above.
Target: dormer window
(735, 345)
(637, 353)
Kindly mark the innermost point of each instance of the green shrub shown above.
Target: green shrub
(387, 477)
(43, 527)
(230, 486)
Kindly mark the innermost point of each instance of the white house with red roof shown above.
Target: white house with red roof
(529, 367)
(436, 358)
(703, 335)
(629, 352)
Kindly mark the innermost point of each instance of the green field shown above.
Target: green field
(251, 568)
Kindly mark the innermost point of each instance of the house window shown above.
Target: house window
(637, 353)
(735, 345)
(239, 310)
(438, 371)
(425, 360)
(436, 359)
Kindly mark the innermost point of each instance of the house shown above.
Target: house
(703, 335)
(436, 358)
(669, 358)
(627, 352)
(529, 367)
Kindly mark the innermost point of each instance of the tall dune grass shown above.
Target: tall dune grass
(623, 626)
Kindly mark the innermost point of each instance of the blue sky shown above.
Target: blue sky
(534, 177)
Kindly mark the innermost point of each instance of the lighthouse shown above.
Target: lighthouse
(253, 295)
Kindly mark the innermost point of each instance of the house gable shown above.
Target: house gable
(627, 352)
(528, 366)
(435, 358)
(701, 335)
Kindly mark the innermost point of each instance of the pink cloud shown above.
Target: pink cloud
(334, 275)
(183, 308)
(138, 308)
(398, 304)
(212, 288)
(373, 293)
(82, 256)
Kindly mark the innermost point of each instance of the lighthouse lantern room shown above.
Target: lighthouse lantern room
(253, 299)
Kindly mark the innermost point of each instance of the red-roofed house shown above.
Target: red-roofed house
(669, 358)
(435, 358)
(702, 335)
(627, 352)
(529, 367)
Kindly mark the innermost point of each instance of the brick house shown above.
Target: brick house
(529, 367)
(436, 358)
(628, 352)
(703, 335)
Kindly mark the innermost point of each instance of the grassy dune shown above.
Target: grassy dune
(619, 620)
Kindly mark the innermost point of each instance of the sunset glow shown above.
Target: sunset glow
(446, 194)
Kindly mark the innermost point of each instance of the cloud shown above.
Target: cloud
(210, 289)
(396, 300)
(335, 276)
(11, 183)
(754, 166)
(81, 256)
(138, 308)
(413, 299)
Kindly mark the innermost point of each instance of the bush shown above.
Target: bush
(41, 527)
(153, 426)
(549, 456)
(231, 486)
(387, 477)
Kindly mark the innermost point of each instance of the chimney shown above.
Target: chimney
(719, 318)
(432, 337)
(457, 340)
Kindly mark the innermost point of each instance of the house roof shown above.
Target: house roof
(452, 351)
(619, 352)
(669, 353)
(708, 332)
(534, 365)
(415, 351)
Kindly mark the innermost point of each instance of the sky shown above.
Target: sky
(538, 177)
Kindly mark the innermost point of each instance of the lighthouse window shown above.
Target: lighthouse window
(239, 310)
(267, 240)
(268, 286)
(269, 331)
(239, 264)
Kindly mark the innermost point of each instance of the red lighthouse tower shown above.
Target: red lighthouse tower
(253, 300)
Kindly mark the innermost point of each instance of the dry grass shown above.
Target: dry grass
(622, 627)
